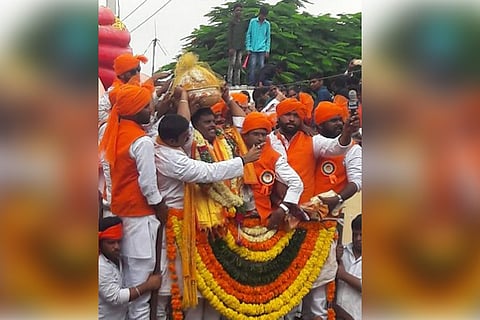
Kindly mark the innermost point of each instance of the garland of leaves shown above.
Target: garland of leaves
(257, 273)
(218, 191)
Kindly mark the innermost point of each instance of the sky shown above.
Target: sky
(179, 18)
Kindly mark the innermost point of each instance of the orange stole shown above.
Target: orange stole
(261, 190)
(330, 174)
(302, 159)
(127, 198)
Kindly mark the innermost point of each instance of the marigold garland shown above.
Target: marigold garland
(257, 246)
(330, 296)
(171, 256)
(258, 256)
(267, 302)
(234, 308)
(257, 273)
(218, 191)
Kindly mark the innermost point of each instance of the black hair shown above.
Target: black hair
(263, 10)
(316, 75)
(236, 5)
(199, 113)
(172, 126)
(107, 222)
(357, 223)
(245, 92)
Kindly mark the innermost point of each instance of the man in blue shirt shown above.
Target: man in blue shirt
(257, 43)
(321, 91)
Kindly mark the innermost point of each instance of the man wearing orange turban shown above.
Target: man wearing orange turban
(342, 174)
(270, 167)
(302, 152)
(134, 192)
(220, 110)
(127, 68)
(242, 100)
(113, 296)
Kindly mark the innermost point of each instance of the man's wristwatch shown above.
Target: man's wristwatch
(284, 208)
(340, 199)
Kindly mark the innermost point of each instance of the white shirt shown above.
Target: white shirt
(142, 151)
(286, 175)
(174, 168)
(271, 106)
(353, 165)
(347, 297)
(112, 298)
(321, 146)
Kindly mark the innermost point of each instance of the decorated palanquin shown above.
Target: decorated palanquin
(243, 269)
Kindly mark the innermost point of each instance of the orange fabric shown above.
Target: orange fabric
(308, 102)
(239, 98)
(291, 105)
(302, 159)
(113, 233)
(342, 102)
(117, 84)
(273, 119)
(256, 120)
(330, 174)
(127, 198)
(262, 192)
(130, 99)
(126, 62)
(327, 110)
(249, 176)
(219, 107)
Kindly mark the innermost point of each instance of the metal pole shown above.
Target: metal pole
(153, 58)
(112, 4)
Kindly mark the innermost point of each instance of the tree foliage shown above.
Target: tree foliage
(308, 43)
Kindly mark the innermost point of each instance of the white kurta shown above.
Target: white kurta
(112, 296)
(349, 298)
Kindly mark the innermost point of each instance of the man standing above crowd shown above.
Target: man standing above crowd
(236, 44)
(257, 42)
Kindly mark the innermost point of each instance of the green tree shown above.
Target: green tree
(308, 43)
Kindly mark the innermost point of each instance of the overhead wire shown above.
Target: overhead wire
(138, 26)
(141, 4)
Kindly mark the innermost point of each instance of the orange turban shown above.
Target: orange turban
(273, 119)
(219, 107)
(342, 102)
(327, 110)
(291, 105)
(256, 120)
(126, 62)
(130, 100)
(307, 101)
(112, 233)
(239, 98)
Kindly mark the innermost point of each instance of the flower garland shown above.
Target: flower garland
(218, 191)
(172, 229)
(256, 246)
(273, 307)
(330, 296)
(273, 300)
(257, 256)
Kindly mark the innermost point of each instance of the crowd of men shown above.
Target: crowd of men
(155, 143)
